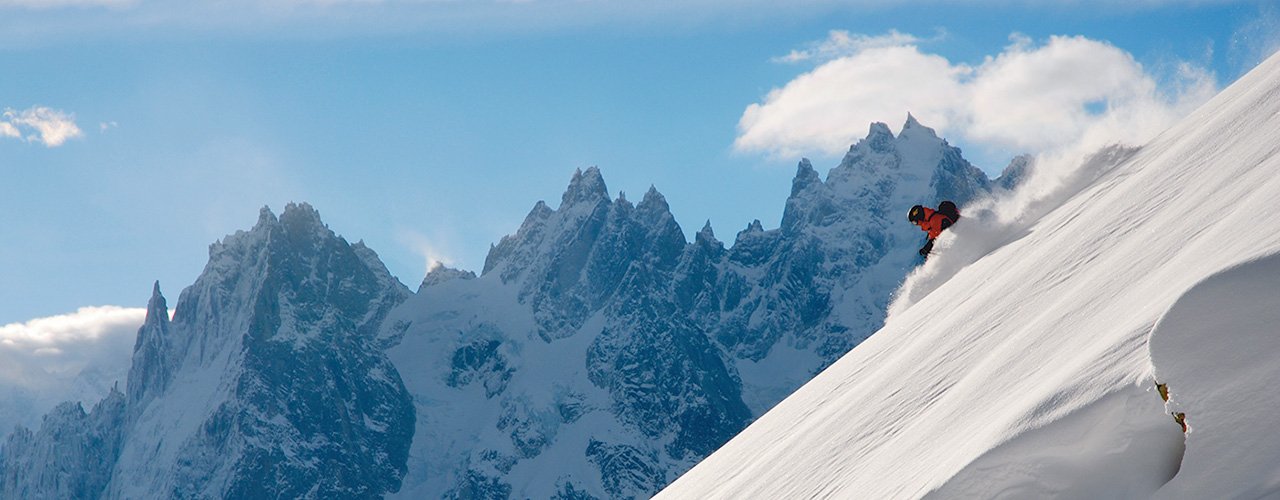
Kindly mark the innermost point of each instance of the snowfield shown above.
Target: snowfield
(1031, 371)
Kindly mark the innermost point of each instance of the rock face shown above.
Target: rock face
(600, 354)
(268, 382)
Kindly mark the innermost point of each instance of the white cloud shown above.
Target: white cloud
(40, 124)
(1031, 98)
(74, 337)
(827, 108)
(71, 357)
(841, 43)
(8, 130)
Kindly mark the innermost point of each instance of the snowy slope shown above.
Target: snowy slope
(1028, 373)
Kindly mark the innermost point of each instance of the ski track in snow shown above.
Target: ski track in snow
(1028, 373)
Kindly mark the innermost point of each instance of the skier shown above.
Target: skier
(933, 221)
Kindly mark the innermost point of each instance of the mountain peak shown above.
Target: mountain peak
(806, 176)
(706, 235)
(156, 306)
(265, 217)
(653, 201)
(879, 138)
(441, 273)
(585, 186)
(911, 122)
(879, 129)
(913, 128)
(301, 215)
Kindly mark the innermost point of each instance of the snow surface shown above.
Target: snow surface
(1216, 348)
(1027, 373)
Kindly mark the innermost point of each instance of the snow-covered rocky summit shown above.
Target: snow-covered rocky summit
(268, 382)
(600, 354)
(1031, 372)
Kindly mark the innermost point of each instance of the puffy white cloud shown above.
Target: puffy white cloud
(827, 108)
(40, 124)
(1032, 98)
(71, 357)
(69, 342)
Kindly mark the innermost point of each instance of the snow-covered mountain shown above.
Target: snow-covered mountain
(600, 354)
(1031, 372)
(268, 382)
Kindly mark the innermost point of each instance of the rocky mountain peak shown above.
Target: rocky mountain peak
(155, 355)
(806, 176)
(265, 217)
(913, 129)
(441, 273)
(585, 187)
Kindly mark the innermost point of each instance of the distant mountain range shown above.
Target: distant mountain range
(597, 355)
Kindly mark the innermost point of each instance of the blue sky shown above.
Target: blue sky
(429, 129)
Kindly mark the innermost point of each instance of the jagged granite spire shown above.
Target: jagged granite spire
(707, 234)
(585, 187)
(155, 352)
(806, 176)
(269, 381)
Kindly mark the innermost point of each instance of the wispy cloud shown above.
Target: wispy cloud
(1029, 98)
(39, 124)
(433, 250)
(841, 43)
(53, 4)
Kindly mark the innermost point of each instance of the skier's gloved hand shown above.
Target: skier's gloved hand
(928, 247)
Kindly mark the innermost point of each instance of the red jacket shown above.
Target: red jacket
(934, 222)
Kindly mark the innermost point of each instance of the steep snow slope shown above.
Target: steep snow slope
(1044, 343)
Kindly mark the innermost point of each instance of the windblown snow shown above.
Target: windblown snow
(1031, 371)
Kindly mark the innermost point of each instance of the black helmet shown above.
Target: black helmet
(916, 214)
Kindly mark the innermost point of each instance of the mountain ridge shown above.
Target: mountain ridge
(597, 341)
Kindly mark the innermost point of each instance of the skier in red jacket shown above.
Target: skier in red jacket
(933, 221)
